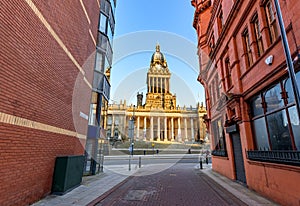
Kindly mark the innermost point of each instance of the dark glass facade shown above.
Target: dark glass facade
(96, 137)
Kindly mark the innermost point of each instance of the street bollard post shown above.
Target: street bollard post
(201, 164)
(140, 162)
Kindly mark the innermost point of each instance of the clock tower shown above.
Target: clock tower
(158, 83)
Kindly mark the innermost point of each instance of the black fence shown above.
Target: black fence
(221, 153)
(281, 157)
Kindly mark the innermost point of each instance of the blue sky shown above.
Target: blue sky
(139, 26)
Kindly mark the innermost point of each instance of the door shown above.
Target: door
(238, 157)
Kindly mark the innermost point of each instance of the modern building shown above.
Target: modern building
(159, 118)
(46, 69)
(96, 142)
(251, 109)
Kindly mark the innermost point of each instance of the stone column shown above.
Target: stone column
(168, 85)
(161, 85)
(157, 89)
(166, 129)
(145, 128)
(124, 124)
(165, 84)
(151, 128)
(138, 128)
(185, 129)
(112, 134)
(172, 129)
(192, 129)
(179, 130)
(158, 128)
(152, 84)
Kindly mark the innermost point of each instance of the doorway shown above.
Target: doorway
(238, 157)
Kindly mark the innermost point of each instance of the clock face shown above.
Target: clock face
(158, 66)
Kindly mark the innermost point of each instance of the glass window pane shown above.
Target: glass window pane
(105, 6)
(98, 81)
(273, 98)
(295, 125)
(256, 106)
(99, 62)
(261, 134)
(279, 131)
(218, 132)
(289, 90)
(103, 23)
(102, 41)
(92, 117)
(298, 79)
(110, 34)
(109, 54)
(106, 64)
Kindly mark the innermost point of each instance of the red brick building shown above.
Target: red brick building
(252, 117)
(46, 69)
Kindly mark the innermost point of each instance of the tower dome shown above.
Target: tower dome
(158, 57)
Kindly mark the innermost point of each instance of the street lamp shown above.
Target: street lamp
(289, 61)
(131, 136)
(131, 124)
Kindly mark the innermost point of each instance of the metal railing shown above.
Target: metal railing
(221, 153)
(281, 157)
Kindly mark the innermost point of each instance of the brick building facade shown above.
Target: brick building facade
(46, 70)
(252, 117)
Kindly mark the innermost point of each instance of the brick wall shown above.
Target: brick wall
(45, 54)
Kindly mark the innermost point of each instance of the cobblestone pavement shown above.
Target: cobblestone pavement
(181, 184)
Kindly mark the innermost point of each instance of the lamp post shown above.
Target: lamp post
(131, 136)
(289, 61)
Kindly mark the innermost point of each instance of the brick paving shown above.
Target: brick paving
(181, 184)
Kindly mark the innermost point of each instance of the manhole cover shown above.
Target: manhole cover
(135, 195)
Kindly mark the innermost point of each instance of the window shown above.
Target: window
(217, 86)
(218, 137)
(272, 26)
(258, 36)
(103, 23)
(228, 72)
(220, 21)
(211, 94)
(275, 120)
(247, 48)
(99, 61)
(93, 110)
(211, 42)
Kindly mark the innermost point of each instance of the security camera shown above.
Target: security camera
(269, 60)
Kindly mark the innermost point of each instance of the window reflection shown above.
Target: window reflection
(219, 136)
(279, 132)
(261, 134)
(103, 23)
(278, 126)
(256, 105)
(273, 98)
(294, 118)
(289, 90)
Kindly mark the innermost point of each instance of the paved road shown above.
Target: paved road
(180, 184)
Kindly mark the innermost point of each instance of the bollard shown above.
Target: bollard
(140, 162)
(129, 164)
(201, 164)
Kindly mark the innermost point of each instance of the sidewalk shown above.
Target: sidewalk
(246, 195)
(93, 187)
